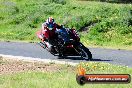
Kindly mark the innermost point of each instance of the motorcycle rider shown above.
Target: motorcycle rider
(47, 33)
(50, 25)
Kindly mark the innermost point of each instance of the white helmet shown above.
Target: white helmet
(50, 20)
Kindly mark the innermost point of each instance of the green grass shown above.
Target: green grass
(109, 24)
(110, 1)
(63, 78)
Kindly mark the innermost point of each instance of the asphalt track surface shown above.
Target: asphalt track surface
(119, 57)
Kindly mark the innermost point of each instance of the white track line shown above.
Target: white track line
(31, 59)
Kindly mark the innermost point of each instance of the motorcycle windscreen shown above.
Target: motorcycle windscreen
(64, 35)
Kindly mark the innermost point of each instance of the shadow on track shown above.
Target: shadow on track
(79, 58)
(100, 60)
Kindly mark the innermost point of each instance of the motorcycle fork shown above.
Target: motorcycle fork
(76, 50)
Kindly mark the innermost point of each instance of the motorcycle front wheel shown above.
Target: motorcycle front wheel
(85, 53)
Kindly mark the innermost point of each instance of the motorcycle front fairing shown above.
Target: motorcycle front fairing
(63, 34)
(67, 42)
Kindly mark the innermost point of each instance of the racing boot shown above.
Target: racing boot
(43, 45)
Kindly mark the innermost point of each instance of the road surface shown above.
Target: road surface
(119, 57)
